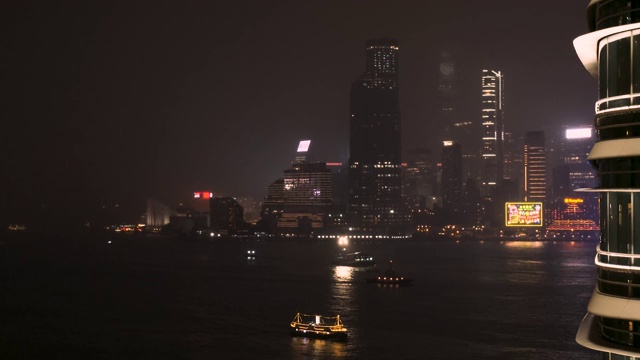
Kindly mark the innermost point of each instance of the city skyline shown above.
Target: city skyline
(124, 102)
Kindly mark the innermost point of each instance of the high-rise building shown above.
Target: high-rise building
(570, 150)
(226, 215)
(375, 165)
(308, 185)
(610, 52)
(452, 177)
(535, 167)
(298, 203)
(446, 98)
(418, 177)
(492, 130)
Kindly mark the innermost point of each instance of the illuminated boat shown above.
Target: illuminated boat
(390, 277)
(356, 259)
(318, 326)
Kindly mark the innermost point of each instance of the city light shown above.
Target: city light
(578, 133)
(304, 145)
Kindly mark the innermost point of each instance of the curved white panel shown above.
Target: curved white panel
(615, 148)
(614, 307)
(587, 45)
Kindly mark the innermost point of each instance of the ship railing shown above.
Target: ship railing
(617, 103)
(608, 260)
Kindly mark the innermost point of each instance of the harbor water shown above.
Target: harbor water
(136, 297)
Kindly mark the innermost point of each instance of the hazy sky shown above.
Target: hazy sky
(114, 101)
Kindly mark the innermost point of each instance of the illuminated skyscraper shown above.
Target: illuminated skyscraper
(535, 167)
(492, 130)
(611, 53)
(374, 163)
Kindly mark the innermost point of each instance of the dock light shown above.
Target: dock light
(343, 240)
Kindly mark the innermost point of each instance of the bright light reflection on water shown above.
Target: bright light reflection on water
(343, 273)
(524, 244)
(318, 348)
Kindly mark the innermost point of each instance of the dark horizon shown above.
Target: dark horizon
(113, 102)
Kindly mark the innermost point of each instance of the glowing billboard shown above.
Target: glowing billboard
(303, 146)
(522, 214)
(578, 133)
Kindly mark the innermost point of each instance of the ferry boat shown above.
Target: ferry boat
(318, 326)
(390, 277)
(356, 259)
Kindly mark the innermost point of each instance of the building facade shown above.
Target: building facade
(299, 203)
(492, 130)
(446, 116)
(375, 187)
(535, 167)
(452, 177)
(611, 53)
(227, 215)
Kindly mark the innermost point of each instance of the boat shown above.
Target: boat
(318, 326)
(390, 277)
(356, 259)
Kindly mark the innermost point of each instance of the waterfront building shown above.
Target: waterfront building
(226, 215)
(492, 131)
(535, 167)
(610, 52)
(452, 177)
(419, 178)
(251, 208)
(570, 150)
(513, 158)
(158, 214)
(375, 201)
(298, 203)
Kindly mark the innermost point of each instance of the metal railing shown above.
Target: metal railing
(629, 104)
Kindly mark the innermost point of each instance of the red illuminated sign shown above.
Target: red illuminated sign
(202, 195)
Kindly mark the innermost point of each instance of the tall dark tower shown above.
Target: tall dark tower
(374, 163)
(611, 53)
(446, 116)
(452, 177)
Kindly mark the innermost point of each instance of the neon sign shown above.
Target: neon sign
(523, 214)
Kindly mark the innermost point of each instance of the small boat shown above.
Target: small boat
(251, 254)
(318, 326)
(390, 277)
(356, 259)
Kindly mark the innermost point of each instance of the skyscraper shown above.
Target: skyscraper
(374, 142)
(610, 52)
(298, 203)
(535, 167)
(452, 177)
(492, 130)
(446, 99)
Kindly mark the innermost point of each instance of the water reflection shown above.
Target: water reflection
(343, 273)
(342, 290)
(318, 348)
(524, 244)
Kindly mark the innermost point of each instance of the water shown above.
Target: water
(162, 298)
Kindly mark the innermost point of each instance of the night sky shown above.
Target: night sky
(108, 103)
